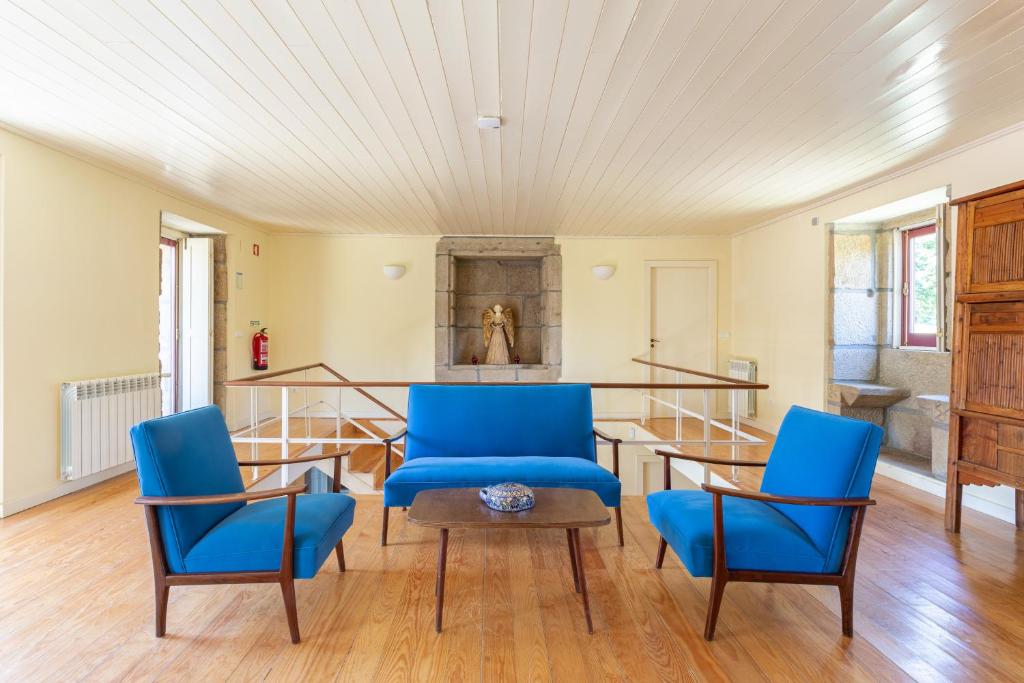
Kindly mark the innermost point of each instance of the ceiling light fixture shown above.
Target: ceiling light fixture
(488, 122)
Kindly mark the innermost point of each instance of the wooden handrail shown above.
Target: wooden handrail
(711, 461)
(277, 373)
(399, 385)
(700, 373)
(364, 393)
(260, 381)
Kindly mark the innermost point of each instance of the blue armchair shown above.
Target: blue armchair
(803, 527)
(205, 528)
(477, 435)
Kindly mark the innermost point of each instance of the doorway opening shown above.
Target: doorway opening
(170, 331)
(682, 325)
(890, 276)
(186, 324)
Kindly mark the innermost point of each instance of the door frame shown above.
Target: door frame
(175, 370)
(186, 334)
(711, 265)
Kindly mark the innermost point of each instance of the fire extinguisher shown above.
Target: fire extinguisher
(260, 350)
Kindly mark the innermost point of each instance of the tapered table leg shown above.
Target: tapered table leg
(583, 579)
(572, 560)
(442, 559)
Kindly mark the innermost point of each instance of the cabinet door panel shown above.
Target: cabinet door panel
(978, 442)
(995, 365)
(996, 257)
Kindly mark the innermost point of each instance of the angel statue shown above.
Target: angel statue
(499, 334)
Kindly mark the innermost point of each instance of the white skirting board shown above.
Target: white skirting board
(11, 507)
(996, 501)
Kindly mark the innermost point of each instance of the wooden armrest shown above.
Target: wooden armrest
(387, 449)
(712, 461)
(291, 461)
(788, 500)
(605, 437)
(396, 436)
(218, 498)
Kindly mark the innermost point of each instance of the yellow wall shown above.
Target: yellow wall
(335, 305)
(603, 320)
(778, 313)
(80, 283)
(80, 277)
(778, 280)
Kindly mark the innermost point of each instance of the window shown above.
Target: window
(920, 300)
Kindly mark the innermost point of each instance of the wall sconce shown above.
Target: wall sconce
(603, 272)
(394, 271)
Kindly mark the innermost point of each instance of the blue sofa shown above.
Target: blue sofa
(802, 527)
(205, 528)
(479, 435)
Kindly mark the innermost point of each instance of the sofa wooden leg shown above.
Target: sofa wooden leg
(714, 603)
(618, 524)
(339, 550)
(288, 592)
(384, 528)
(162, 593)
(662, 545)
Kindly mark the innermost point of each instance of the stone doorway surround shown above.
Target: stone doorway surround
(502, 269)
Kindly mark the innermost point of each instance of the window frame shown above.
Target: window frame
(908, 338)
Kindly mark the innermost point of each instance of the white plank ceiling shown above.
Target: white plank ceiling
(621, 117)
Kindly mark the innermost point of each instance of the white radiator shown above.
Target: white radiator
(95, 416)
(746, 401)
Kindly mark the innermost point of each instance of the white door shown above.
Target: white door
(682, 326)
(196, 323)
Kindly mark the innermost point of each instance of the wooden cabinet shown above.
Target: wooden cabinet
(986, 425)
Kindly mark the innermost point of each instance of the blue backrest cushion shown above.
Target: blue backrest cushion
(505, 420)
(822, 455)
(187, 454)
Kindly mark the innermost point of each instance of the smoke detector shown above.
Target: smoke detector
(488, 122)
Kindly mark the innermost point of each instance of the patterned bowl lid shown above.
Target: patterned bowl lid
(508, 497)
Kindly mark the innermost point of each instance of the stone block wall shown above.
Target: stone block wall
(861, 299)
(863, 304)
(220, 322)
(482, 282)
(474, 273)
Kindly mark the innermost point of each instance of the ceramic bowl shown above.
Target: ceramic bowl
(508, 497)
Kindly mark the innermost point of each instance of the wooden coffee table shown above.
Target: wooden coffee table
(569, 509)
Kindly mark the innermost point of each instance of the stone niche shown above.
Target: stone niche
(523, 274)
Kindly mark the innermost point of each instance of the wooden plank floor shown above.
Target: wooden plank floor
(76, 604)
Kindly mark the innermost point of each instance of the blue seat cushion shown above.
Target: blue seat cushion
(537, 471)
(757, 535)
(250, 538)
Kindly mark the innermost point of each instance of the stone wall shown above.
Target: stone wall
(919, 424)
(473, 273)
(220, 322)
(862, 309)
(862, 293)
(483, 282)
